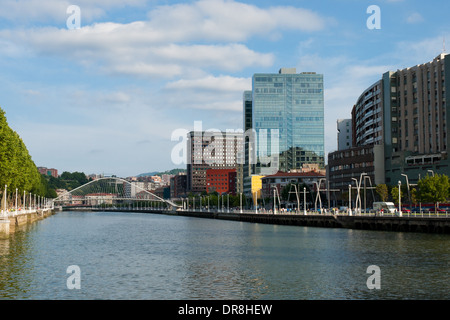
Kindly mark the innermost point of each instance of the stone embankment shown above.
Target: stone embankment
(13, 222)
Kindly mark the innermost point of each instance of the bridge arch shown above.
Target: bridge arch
(109, 190)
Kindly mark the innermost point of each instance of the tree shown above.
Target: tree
(434, 189)
(17, 169)
(394, 194)
(382, 191)
(414, 196)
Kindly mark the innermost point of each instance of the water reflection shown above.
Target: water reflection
(144, 256)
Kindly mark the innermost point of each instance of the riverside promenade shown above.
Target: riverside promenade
(423, 223)
(11, 221)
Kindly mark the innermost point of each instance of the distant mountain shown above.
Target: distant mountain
(156, 173)
(147, 174)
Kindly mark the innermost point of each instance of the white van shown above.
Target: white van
(387, 207)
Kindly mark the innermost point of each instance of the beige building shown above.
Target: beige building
(416, 120)
(210, 150)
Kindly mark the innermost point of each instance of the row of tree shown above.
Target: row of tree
(67, 181)
(430, 189)
(17, 169)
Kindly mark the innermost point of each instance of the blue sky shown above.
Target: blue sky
(107, 97)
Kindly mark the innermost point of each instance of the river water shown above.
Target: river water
(151, 256)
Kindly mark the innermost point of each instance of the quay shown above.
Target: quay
(431, 224)
(418, 223)
(11, 222)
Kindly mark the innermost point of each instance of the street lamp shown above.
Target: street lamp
(409, 194)
(274, 201)
(349, 199)
(304, 201)
(399, 198)
(298, 200)
(432, 172)
(241, 201)
(357, 193)
(16, 201)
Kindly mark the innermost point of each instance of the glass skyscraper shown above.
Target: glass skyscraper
(288, 108)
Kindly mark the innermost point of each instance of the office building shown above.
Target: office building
(416, 118)
(366, 154)
(291, 103)
(400, 128)
(178, 185)
(211, 150)
(344, 129)
(286, 112)
(221, 181)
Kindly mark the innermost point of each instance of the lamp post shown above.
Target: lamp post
(399, 198)
(432, 172)
(298, 200)
(240, 201)
(304, 201)
(349, 199)
(357, 193)
(274, 201)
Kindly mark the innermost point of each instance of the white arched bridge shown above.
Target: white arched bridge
(114, 193)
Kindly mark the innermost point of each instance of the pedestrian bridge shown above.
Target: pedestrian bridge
(112, 192)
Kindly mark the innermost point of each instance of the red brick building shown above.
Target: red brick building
(221, 181)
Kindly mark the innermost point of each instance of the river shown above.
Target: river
(160, 257)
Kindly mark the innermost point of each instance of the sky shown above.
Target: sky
(107, 97)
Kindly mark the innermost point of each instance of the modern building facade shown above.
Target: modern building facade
(221, 181)
(210, 150)
(365, 157)
(286, 113)
(293, 104)
(367, 116)
(345, 135)
(400, 128)
(178, 185)
(417, 117)
(281, 179)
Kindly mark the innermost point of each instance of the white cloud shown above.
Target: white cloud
(414, 18)
(221, 20)
(221, 83)
(208, 93)
(166, 45)
(23, 11)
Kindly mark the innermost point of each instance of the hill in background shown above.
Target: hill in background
(156, 173)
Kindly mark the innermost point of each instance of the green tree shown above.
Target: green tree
(17, 169)
(414, 196)
(382, 192)
(434, 189)
(394, 194)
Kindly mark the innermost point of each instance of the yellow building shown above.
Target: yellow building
(256, 188)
